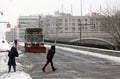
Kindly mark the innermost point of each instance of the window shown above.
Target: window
(66, 24)
(66, 20)
(66, 28)
(60, 20)
(73, 24)
(79, 28)
(73, 20)
(79, 20)
(85, 19)
(73, 28)
(79, 24)
(60, 24)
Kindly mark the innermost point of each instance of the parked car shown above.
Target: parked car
(4, 46)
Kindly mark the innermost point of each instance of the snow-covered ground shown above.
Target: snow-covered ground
(12, 75)
(22, 75)
(113, 58)
(16, 75)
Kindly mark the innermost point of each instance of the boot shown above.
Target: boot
(43, 69)
(54, 69)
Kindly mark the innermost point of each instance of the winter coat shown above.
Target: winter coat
(15, 42)
(12, 54)
(51, 52)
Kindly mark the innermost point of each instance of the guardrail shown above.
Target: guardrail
(84, 44)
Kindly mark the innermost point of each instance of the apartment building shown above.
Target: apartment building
(32, 21)
(12, 34)
(64, 27)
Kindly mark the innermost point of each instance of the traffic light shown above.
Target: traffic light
(8, 25)
(19, 25)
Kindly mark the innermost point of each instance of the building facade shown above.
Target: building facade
(65, 27)
(28, 22)
(12, 34)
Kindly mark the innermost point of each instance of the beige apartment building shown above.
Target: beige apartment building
(66, 27)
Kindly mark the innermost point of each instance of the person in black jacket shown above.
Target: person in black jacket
(11, 62)
(49, 57)
(16, 43)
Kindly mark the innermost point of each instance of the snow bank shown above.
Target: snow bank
(4, 68)
(3, 62)
(21, 43)
(16, 75)
(113, 58)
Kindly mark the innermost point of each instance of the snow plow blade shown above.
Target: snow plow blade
(35, 49)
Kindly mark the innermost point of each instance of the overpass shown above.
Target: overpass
(96, 41)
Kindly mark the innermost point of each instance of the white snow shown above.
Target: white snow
(4, 46)
(4, 68)
(16, 75)
(23, 75)
(3, 62)
(112, 58)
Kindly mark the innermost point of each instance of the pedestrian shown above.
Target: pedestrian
(16, 43)
(11, 62)
(49, 58)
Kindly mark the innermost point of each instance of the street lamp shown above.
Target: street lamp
(80, 28)
(80, 25)
(56, 30)
(39, 21)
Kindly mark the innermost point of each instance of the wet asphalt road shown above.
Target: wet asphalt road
(70, 65)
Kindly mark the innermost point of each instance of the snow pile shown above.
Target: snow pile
(22, 43)
(4, 68)
(3, 62)
(4, 46)
(113, 58)
(16, 75)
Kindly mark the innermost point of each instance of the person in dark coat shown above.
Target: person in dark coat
(49, 57)
(16, 43)
(11, 62)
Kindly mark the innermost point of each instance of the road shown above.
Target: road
(70, 65)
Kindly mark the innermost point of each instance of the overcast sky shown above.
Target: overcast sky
(12, 9)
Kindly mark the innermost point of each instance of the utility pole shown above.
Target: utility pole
(80, 31)
(81, 7)
(80, 23)
(57, 29)
(39, 21)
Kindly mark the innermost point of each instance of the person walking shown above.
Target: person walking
(49, 57)
(16, 43)
(11, 62)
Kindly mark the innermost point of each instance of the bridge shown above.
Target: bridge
(96, 41)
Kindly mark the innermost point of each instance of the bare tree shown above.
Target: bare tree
(110, 22)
